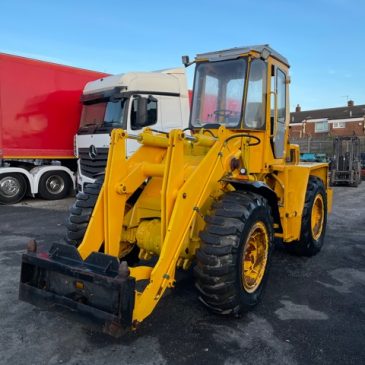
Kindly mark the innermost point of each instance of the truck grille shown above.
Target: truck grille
(92, 167)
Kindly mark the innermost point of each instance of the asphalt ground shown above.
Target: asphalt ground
(313, 310)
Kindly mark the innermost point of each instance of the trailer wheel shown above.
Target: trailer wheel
(13, 187)
(314, 220)
(235, 253)
(54, 185)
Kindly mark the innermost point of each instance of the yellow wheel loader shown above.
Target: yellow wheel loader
(214, 196)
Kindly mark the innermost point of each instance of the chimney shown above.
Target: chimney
(350, 103)
(298, 108)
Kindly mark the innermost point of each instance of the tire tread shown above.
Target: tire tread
(216, 269)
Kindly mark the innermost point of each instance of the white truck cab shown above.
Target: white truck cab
(130, 101)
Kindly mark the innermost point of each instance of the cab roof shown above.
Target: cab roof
(235, 52)
(170, 80)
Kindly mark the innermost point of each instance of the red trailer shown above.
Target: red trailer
(39, 115)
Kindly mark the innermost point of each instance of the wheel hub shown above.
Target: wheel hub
(317, 217)
(54, 184)
(9, 186)
(255, 255)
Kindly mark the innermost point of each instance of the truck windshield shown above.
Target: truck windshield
(218, 93)
(103, 113)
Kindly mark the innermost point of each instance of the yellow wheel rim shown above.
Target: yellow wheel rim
(317, 217)
(254, 258)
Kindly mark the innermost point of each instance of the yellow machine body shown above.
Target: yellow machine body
(183, 178)
(181, 175)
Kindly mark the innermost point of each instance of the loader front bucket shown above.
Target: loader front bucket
(99, 287)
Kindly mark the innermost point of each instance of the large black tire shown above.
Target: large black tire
(13, 187)
(80, 214)
(81, 211)
(224, 248)
(310, 243)
(54, 185)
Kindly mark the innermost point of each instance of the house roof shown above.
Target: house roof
(356, 111)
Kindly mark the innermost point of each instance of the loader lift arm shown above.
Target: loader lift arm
(101, 284)
(180, 201)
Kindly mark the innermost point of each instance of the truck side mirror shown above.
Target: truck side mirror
(144, 112)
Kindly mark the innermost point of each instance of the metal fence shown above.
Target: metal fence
(320, 145)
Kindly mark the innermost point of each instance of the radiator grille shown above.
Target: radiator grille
(92, 167)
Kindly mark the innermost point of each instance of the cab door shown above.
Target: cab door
(154, 114)
(278, 111)
(171, 113)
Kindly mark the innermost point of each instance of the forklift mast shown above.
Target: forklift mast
(346, 164)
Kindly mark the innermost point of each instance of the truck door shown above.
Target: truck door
(171, 114)
(154, 115)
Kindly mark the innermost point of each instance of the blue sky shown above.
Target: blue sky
(324, 40)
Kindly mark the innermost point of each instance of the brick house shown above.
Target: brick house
(322, 123)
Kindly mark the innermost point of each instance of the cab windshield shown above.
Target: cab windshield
(103, 113)
(218, 93)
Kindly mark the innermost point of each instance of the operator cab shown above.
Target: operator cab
(242, 89)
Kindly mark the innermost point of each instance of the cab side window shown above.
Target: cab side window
(280, 89)
(149, 114)
(152, 111)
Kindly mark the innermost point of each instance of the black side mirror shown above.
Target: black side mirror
(144, 112)
(141, 111)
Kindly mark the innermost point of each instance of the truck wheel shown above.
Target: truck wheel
(54, 185)
(235, 253)
(314, 220)
(80, 212)
(13, 187)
